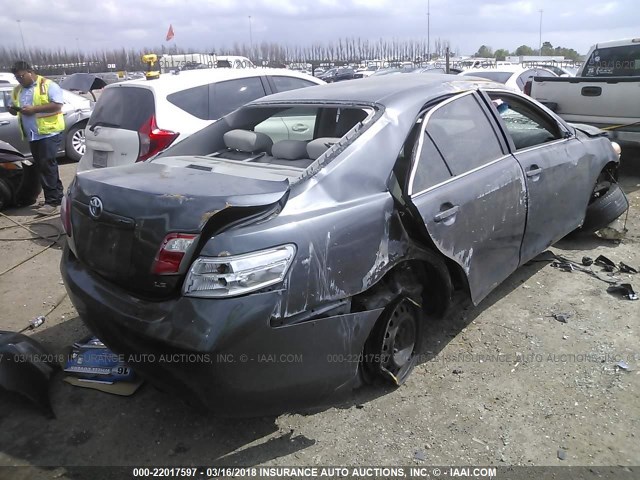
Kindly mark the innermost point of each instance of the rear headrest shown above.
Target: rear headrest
(290, 149)
(247, 141)
(317, 147)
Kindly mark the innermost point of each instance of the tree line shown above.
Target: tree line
(341, 51)
(524, 50)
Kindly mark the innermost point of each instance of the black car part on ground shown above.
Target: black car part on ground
(19, 182)
(26, 369)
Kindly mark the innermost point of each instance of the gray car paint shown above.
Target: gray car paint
(342, 216)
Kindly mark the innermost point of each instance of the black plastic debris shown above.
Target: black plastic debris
(562, 317)
(26, 369)
(624, 289)
(624, 268)
(587, 261)
(562, 454)
(605, 263)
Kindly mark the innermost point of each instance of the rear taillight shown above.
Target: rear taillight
(153, 139)
(172, 250)
(65, 214)
(527, 87)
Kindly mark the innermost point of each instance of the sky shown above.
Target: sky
(90, 25)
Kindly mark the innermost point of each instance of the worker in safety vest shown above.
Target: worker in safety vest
(38, 103)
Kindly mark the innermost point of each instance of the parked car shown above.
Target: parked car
(19, 183)
(365, 72)
(339, 74)
(7, 77)
(134, 120)
(284, 273)
(512, 76)
(76, 110)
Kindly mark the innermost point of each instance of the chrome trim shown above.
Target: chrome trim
(461, 175)
(422, 130)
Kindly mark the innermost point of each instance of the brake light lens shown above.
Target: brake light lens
(527, 87)
(171, 253)
(153, 139)
(65, 215)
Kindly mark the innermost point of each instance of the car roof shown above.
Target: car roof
(387, 90)
(618, 43)
(169, 82)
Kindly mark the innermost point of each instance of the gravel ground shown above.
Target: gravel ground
(503, 383)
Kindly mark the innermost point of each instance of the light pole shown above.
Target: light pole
(428, 31)
(250, 38)
(540, 49)
(24, 48)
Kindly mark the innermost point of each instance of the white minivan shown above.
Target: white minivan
(137, 119)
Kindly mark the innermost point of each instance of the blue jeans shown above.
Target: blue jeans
(44, 153)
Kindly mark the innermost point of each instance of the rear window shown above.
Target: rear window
(284, 84)
(226, 96)
(124, 107)
(193, 100)
(614, 62)
(500, 77)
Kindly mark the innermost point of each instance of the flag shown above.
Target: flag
(170, 33)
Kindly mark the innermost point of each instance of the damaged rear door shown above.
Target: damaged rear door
(469, 194)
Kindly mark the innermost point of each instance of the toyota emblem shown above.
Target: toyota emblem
(95, 207)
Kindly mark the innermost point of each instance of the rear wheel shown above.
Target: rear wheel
(75, 145)
(390, 352)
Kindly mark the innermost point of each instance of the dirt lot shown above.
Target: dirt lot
(500, 384)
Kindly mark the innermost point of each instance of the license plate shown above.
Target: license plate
(100, 159)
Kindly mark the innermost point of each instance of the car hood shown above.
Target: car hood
(142, 203)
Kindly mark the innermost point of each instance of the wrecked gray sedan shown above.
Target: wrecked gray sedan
(295, 248)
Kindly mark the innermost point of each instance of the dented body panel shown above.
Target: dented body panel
(351, 220)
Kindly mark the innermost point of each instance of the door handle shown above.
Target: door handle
(299, 127)
(448, 213)
(4, 122)
(534, 171)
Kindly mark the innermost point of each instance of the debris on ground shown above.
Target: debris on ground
(93, 365)
(622, 365)
(25, 369)
(562, 317)
(616, 230)
(624, 268)
(605, 263)
(562, 454)
(624, 289)
(420, 456)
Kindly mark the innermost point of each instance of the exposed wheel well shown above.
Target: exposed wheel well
(427, 280)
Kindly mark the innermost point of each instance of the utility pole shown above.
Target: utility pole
(428, 31)
(250, 39)
(540, 49)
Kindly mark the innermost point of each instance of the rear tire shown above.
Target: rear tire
(605, 209)
(75, 146)
(390, 352)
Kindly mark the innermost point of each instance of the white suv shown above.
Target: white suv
(135, 120)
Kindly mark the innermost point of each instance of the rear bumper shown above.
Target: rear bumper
(223, 354)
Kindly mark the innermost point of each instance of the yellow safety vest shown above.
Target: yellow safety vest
(46, 122)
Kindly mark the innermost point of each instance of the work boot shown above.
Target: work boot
(46, 210)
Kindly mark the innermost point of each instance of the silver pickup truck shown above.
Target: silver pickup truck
(605, 93)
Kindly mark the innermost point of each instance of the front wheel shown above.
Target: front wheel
(75, 145)
(604, 209)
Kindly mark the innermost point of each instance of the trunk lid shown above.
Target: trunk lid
(142, 203)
